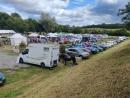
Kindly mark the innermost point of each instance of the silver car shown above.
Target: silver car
(78, 52)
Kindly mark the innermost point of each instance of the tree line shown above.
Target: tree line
(46, 24)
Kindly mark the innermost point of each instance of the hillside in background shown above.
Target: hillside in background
(106, 26)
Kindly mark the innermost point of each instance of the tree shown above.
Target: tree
(15, 15)
(3, 20)
(48, 23)
(126, 15)
(76, 30)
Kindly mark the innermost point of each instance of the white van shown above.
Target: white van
(45, 55)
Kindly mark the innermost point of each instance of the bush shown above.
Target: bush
(22, 46)
(121, 32)
(111, 32)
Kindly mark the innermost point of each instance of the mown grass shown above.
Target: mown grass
(19, 80)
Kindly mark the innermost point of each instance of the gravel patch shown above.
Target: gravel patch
(9, 61)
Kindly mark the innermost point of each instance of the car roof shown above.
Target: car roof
(73, 48)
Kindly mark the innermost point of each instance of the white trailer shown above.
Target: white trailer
(45, 55)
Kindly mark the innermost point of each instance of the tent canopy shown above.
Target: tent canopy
(33, 35)
(17, 35)
(52, 35)
(16, 39)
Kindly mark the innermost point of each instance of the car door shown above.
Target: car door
(74, 52)
(25, 55)
(70, 51)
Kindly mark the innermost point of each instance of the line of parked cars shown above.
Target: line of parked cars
(85, 49)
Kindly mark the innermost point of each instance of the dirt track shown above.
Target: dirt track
(7, 61)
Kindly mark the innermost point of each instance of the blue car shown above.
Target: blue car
(2, 78)
(98, 47)
(103, 46)
(83, 47)
(94, 50)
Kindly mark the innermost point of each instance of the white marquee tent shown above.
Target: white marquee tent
(17, 38)
(52, 35)
(33, 35)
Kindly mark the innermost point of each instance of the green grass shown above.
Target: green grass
(128, 32)
(105, 75)
(101, 29)
(20, 80)
(19, 74)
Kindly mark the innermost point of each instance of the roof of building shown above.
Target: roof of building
(7, 32)
(17, 35)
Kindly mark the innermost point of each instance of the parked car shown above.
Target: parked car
(103, 46)
(2, 78)
(98, 47)
(107, 44)
(122, 38)
(78, 52)
(82, 46)
(94, 50)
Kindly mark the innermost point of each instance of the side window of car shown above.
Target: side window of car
(71, 50)
(76, 51)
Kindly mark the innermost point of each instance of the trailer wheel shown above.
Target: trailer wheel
(21, 60)
(42, 65)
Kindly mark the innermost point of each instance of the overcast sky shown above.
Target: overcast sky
(68, 12)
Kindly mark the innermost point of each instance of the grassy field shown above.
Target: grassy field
(19, 80)
(105, 75)
(102, 29)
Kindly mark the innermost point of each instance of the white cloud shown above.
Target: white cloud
(109, 1)
(104, 11)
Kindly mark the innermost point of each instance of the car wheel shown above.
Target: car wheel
(3, 82)
(42, 65)
(21, 60)
(81, 57)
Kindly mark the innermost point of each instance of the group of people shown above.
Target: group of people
(65, 57)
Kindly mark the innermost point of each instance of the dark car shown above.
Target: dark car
(2, 78)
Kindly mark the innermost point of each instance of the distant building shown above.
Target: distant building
(6, 33)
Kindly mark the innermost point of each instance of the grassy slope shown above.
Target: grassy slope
(18, 81)
(106, 75)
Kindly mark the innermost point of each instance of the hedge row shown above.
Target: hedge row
(117, 32)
